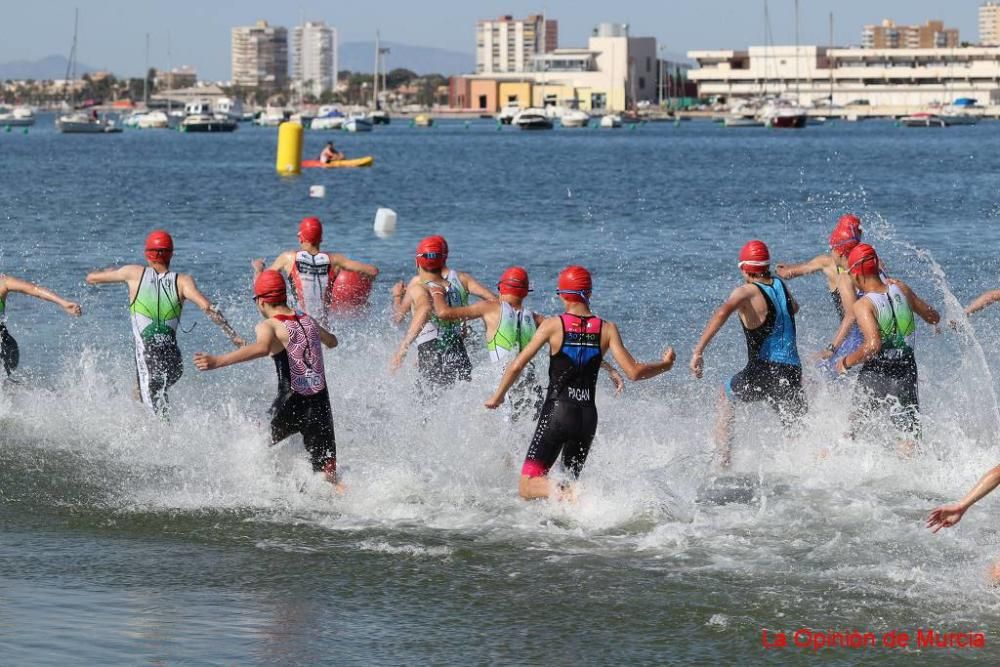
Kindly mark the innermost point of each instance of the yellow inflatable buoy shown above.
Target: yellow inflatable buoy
(289, 156)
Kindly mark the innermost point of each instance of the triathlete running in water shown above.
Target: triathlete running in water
(156, 297)
(312, 272)
(509, 328)
(849, 225)
(464, 284)
(947, 516)
(848, 336)
(330, 154)
(773, 372)
(441, 355)
(9, 352)
(295, 341)
(888, 376)
(578, 341)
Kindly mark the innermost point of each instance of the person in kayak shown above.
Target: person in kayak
(10, 354)
(888, 376)
(312, 272)
(578, 341)
(509, 328)
(330, 154)
(156, 297)
(295, 341)
(463, 283)
(773, 372)
(441, 355)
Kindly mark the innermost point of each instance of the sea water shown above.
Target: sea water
(128, 539)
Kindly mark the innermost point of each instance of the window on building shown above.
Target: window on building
(512, 100)
(642, 83)
(649, 64)
(482, 101)
(598, 101)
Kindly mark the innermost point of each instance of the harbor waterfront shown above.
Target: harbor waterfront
(127, 539)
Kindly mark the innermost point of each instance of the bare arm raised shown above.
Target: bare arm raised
(422, 310)
(12, 284)
(267, 343)
(739, 298)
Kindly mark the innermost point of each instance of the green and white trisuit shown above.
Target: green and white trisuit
(441, 355)
(156, 314)
(889, 380)
(514, 331)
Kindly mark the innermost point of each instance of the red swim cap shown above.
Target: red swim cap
(311, 231)
(269, 287)
(755, 257)
(863, 261)
(159, 246)
(514, 281)
(575, 284)
(843, 240)
(852, 223)
(431, 253)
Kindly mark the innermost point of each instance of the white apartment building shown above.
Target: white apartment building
(260, 57)
(314, 58)
(883, 77)
(989, 23)
(507, 44)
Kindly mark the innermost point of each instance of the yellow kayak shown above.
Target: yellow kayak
(365, 161)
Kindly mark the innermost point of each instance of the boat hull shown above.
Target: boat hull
(787, 122)
(80, 127)
(358, 125)
(16, 122)
(214, 126)
(365, 161)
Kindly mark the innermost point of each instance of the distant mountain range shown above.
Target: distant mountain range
(360, 57)
(49, 67)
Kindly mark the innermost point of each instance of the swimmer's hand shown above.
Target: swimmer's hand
(669, 357)
(616, 379)
(494, 402)
(697, 365)
(782, 271)
(398, 289)
(205, 362)
(397, 361)
(945, 516)
(257, 265)
(72, 309)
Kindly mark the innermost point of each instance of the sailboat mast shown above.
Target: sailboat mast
(829, 60)
(798, 99)
(375, 75)
(145, 76)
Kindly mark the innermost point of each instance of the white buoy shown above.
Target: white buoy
(385, 223)
(317, 191)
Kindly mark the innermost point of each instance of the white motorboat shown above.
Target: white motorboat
(332, 119)
(957, 115)
(741, 120)
(270, 117)
(575, 118)
(507, 114)
(150, 120)
(611, 121)
(229, 107)
(16, 117)
(208, 123)
(81, 122)
(783, 115)
(358, 124)
(922, 119)
(532, 119)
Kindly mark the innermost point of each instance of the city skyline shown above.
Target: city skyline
(112, 34)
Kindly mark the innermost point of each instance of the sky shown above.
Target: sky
(112, 32)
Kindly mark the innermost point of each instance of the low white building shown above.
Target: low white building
(883, 77)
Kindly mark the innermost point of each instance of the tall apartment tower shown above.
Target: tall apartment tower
(889, 35)
(507, 44)
(260, 57)
(314, 58)
(989, 23)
